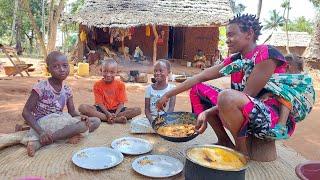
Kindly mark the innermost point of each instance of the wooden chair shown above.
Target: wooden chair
(263, 150)
(18, 67)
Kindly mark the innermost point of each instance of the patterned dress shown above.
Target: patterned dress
(259, 116)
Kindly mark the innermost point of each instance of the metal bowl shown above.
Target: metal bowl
(195, 170)
(175, 118)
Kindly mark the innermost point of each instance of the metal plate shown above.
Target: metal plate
(97, 158)
(132, 145)
(157, 166)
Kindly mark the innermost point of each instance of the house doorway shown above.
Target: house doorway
(176, 42)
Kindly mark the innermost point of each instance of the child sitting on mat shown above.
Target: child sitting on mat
(110, 96)
(43, 110)
(154, 91)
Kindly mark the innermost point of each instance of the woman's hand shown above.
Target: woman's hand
(202, 124)
(202, 120)
(162, 102)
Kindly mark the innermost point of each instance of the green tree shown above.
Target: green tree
(237, 8)
(301, 24)
(274, 22)
(313, 50)
(286, 9)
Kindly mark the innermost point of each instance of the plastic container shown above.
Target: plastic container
(83, 69)
(309, 170)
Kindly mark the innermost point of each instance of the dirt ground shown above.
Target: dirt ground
(15, 91)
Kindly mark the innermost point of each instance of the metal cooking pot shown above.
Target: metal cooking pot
(175, 118)
(193, 170)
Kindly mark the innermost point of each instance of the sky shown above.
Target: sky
(299, 8)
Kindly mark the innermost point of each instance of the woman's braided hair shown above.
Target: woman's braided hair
(247, 22)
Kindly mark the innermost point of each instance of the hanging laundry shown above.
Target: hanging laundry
(148, 31)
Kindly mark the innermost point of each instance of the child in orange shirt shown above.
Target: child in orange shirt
(110, 96)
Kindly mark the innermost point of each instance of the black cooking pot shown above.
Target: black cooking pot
(134, 73)
(195, 171)
(175, 118)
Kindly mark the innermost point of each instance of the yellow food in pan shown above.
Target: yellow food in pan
(177, 130)
(215, 158)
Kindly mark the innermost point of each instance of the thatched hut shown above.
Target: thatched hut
(298, 41)
(183, 26)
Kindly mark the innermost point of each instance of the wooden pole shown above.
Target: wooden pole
(156, 36)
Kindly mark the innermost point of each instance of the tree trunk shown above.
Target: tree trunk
(313, 50)
(156, 36)
(18, 30)
(259, 8)
(16, 3)
(35, 28)
(287, 33)
(54, 25)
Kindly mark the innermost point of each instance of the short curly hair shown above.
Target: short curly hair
(247, 22)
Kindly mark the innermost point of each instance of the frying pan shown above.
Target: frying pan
(175, 118)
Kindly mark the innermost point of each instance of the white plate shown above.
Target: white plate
(131, 145)
(157, 166)
(97, 158)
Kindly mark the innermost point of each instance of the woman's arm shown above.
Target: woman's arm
(259, 77)
(207, 74)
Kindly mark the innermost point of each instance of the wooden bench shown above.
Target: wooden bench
(263, 150)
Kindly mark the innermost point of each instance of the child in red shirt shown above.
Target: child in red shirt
(110, 96)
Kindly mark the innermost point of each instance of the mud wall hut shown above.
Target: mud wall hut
(298, 41)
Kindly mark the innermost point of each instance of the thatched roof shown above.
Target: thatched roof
(296, 39)
(128, 13)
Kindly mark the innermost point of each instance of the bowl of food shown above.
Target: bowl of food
(180, 79)
(176, 126)
(216, 162)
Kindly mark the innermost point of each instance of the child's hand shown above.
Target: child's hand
(162, 102)
(84, 117)
(110, 118)
(46, 138)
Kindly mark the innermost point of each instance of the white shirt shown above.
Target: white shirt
(154, 96)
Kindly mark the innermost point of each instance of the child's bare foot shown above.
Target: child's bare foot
(90, 125)
(32, 147)
(121, 119)
(21, 127)
(75, 139)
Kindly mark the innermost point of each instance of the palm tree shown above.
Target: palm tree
(286, 8)
(237, 8)
(274, 23)
(259, 8)
(313, 51)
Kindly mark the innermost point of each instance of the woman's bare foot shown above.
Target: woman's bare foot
(121, 119)
(32, 147)
(75, 139)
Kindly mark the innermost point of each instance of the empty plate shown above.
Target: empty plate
(97, 158)
(132, 145)
(157, 166)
